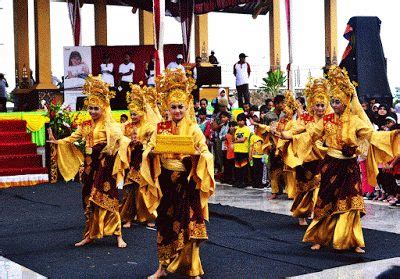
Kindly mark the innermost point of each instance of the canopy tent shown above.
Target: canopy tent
(200, 6)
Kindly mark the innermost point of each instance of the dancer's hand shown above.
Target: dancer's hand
(52, 139)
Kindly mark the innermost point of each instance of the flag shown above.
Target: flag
(74, 9)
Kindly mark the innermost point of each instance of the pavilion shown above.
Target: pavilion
(44, 85)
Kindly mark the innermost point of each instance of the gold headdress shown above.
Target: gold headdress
(341, 86)
(175, 87)
(316, 91)
(135, 99)
(97, 92)
(291, 105)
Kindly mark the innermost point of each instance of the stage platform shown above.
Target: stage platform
(36, 121)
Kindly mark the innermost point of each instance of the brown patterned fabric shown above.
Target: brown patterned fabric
(99, 186)
(340, 189)
(180, 218)
(307, 176)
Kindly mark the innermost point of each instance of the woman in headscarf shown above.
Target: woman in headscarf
(104, 162)
(340, 204)
(179, 181)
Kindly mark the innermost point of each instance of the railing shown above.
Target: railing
(259, 71)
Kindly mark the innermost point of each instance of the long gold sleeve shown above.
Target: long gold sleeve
(384, 146)
(69, 157)
(303, 143)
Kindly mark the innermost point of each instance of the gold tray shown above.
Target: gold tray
(174, 144)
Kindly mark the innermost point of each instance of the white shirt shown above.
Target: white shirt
(151, 78)
(174, 65)
(125, 68)
(108, 78)
(242, 73)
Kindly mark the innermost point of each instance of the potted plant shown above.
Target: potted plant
(273, 82)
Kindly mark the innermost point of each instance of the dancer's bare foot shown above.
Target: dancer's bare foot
(84, 241)
(316, 247)
(273, 196)
(160, 273)
(359, 250)
(303, 222)
(120, 242)
(127, 225)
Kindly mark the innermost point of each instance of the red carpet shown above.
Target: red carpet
(20, 165)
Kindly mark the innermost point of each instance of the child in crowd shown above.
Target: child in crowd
(255, 158)
(228, 176)
(241, 149)
(205, 126)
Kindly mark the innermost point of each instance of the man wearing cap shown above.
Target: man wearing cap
(242, 70)
(177, 64)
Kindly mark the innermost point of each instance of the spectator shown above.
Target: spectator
(277, 113)
(107, 70)
(212, 59)
(241, 149)
(196, 92)
(241, 70)
(150, 72)
(224, 117)
(126, 71)
(229, 163)
(205, 125)
(123, 118)
(3, 93)
(177, 65)
(255, 157)
(203, 103)
(380, 119)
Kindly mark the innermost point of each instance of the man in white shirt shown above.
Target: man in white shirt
(107, 69)
(241, 71)
(125, 71)
(177, 64)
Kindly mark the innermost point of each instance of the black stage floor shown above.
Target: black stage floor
(39, 225)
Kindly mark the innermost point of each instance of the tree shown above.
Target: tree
(273, 82)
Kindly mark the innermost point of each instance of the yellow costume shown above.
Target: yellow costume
(134, 204)
(104, 162)
(179, 185)
(307, 174)
(282, 163)
(340, 204)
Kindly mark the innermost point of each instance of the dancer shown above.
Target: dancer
(139, 129)
(104, 163)
(307, 174)
(340, 204)
(179, 185)
(282, 164)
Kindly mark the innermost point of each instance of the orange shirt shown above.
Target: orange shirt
(230, 154)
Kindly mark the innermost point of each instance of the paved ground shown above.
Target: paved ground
(259, 240)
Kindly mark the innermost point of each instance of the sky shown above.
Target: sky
(229, 35)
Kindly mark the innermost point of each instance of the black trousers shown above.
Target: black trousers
(243, 92)
(119, 102)
(3, 104)
(257, 173)
(229, 165)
